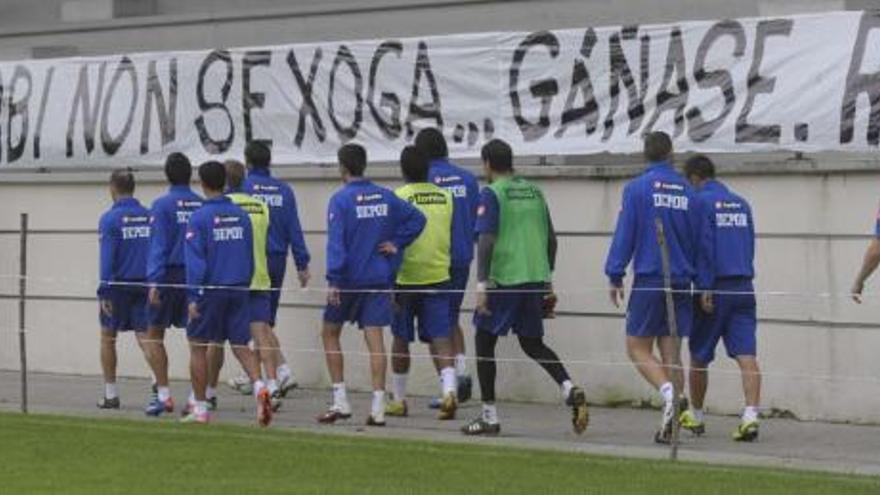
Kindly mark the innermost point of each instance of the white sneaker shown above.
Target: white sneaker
(242, 384)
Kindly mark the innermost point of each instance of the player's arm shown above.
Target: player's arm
(622, 245)
(410, 223)
(298, 248)
(869, 265)
(108, 245)
(160, 245)
(486, 230)
(196, 264)
(706, 255)
(337, 254)
(249, 239)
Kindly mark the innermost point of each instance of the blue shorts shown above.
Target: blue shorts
(259, 306)
(277, 265)
(172, 308)
(458, 280)
(367, 309)
(521, 311)
(223, 315)
(430, 309)
(129, 309)
(734, 319)
(646, 312)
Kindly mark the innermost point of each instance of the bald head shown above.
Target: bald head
(235, 173)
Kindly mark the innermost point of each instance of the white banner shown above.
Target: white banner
(800, 83)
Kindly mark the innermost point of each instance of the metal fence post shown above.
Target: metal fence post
(22, 292)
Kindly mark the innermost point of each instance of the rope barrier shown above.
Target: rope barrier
(867, 295)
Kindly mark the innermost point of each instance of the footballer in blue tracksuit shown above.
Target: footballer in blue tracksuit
(165, 270)
(367, 226)
(660, 192)
(465, 191)
(124, 239)
(219, 269)
(726, 309)
(285, 230)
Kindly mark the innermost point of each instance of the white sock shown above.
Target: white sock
(164, 393)
(259, 386)
(283, 372)
(667, 390)
(448, 381)
(110, 391)
(566, 389)
(490, 414)
(398, 386)
(272, 385)
(461, 364)
(192, 397)
(699, 414)
(340, 397)
(378, 409)
(750, 413)
(210, 392)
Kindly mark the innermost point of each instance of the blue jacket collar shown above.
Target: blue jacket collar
(659, 166)
(260, 172)
(180, 188)
(714, 186)
(217, 199)
(128, 201)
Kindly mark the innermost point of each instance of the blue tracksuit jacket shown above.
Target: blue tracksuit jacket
(660, 192)
(169, 216)
(284, 227)
(124, 239)
(466, 198)
(219, 246)
(727, 236)
(361, 216)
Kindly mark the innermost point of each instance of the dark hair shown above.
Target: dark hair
(235, 173)
(658, 147)
(414, 164)
(498, 155)
(178, 170)
(213, 175)
(353, 158)
(122, 181)
(257, 154)
(431, 143)
(701, 166)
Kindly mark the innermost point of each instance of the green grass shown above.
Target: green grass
(46, 454)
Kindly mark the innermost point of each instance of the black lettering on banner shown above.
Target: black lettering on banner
(668, 100)
(47, 85)
(858, 83)
(110, 143)
(211, 144)
(544, 89)
(344, 56)
(167, 115)
(388, 101)
(432, 109)
(588, 112)
(758, 84)
(308, 108)
(621, 72)
(18, 108)
(700, 129)
(88, 108)
(250, 99)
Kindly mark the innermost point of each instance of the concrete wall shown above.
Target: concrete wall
(818, 349)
